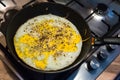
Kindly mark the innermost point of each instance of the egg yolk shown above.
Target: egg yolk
(52, 39)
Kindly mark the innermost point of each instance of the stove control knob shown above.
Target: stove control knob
(111, 47)
(93, 64)
(102, 55)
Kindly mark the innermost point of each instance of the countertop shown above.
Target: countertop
(4, 72)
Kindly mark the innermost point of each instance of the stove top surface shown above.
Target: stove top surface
(101, 22)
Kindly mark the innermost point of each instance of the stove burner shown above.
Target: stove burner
(102, 8)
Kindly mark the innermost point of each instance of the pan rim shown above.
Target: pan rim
(37, 70)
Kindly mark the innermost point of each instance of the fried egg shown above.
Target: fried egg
(48, 42)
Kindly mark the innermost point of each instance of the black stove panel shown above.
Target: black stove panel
(84, 73)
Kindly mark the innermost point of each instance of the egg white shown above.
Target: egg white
(61, 61)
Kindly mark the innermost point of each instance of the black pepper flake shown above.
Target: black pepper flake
(31, 31)
(71, 34)
(55, 58)
(35, 20)
(62, 42)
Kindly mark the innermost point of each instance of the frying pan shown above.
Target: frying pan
(49, 8)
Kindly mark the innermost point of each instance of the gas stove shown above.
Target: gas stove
(103, 18)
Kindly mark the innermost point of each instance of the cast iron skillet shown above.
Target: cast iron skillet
(48, 8)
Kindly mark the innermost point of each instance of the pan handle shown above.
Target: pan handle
(8, 17)
(108, 40)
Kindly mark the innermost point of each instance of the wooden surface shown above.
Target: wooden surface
(111, 72)
(4, 73)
